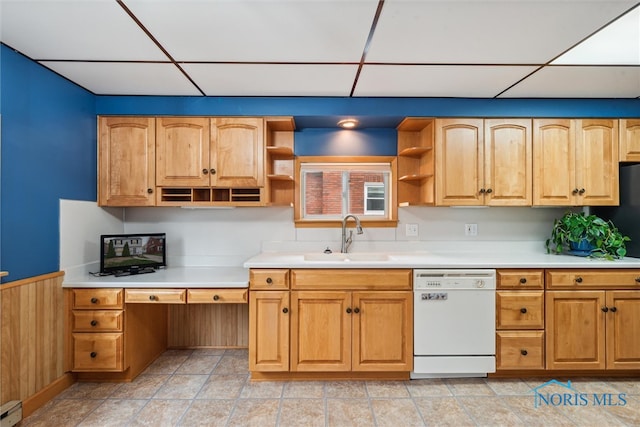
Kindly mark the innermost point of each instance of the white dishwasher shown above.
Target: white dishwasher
(454, 323)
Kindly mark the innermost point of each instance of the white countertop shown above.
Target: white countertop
(171, 277)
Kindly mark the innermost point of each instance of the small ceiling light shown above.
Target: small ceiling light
(348, 123)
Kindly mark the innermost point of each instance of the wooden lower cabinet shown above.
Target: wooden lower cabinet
(520, 350)
(269, 331)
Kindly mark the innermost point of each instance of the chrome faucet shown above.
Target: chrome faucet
(346, 241)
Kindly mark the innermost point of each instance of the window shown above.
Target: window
(331, 187)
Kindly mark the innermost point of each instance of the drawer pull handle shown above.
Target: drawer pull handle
(285, 310)
(153, 297)
(614, 309)
(578, 279)
(216, 297)
(94, 322)
(638, 280)
(94, 300)
(93, 354)
(523, 310)
(348, 310)
(605, 309)
(269, 280)
(524, 352)
(523, 280)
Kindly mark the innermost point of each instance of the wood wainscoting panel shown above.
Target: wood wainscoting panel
(32, 335)
(208, 325)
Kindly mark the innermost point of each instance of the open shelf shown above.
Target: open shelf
(280, 160)
(416, 184)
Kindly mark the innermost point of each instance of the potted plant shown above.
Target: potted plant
(586, 235)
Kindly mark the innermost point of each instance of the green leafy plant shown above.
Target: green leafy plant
(576, 227)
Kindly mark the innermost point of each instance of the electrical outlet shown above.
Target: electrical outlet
(411, 230)
(471, 229)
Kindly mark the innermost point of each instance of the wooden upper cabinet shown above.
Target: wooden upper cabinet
(459, 161)
(508, 159)
(237, 152)
(630, 140)
(575, 162)
(126, 151)
(182, 151)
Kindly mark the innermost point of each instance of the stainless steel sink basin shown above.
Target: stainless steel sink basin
(340, 257)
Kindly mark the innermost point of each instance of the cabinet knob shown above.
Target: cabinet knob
(482, 191)
(153, 297)
(489, 190)
(205, 171)
(213, 171)
(94, 300)
(269, 280)
(638, 280)
(523, 280)
(581, 191)
(150, 190)
(575, 191)
(348, 310)
(356, 310)
(93, 354)
(285, 310)
(605, 309)
(524, 352)
(94, 322)
(578, 279)
(523, 310)
(614, 309)
(216, 297)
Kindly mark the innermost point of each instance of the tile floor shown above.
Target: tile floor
(212, 388)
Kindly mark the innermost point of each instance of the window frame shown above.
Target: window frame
(366, 220)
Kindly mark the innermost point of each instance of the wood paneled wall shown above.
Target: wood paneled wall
(208, 325)
(31, 335)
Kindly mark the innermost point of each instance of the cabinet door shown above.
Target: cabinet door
(459, 162)
(554, 162)
(597, 162)
(182, 151)
(237, 152)
(321, 331)
(623, 330)
(507, 162)
(575, 326)
(630, 140)
(269, 331)
(127, 168)
(382, 331)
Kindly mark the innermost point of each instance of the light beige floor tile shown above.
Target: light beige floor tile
(113, 412)
(509, 386)
(262, 389)
(628, 412)
(167, 363)
(237, 352)
(626, 385)
(232, 364)
(255, 412)
(143, 387)
(593, 385)
(302, 412)
(161, 413)
(428, 387)
(222, 387)
(199, 365)
(208, 413)
(524, 407)
(469, 387)
(590, 415)
(304, 389)
(346, 389)
(349, 413)
(208, 351)
(443, 411)
(181, 387)
(387, 389)
(396, 412)
(89, 391)
(62, 412)
(489, 411)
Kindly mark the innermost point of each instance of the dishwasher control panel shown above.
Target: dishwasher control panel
(454, 279)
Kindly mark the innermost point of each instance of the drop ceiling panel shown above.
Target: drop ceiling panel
(273, 79)
(126, 78)
(579, 82)
(486, 32)
(475, 81)
(264, 31)
(85, 30)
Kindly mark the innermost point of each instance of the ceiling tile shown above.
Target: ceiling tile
(126, 78)
(84, 30)
(473, 81)
(259, 30)
(272, 79)
(579, 82)
(486, 32)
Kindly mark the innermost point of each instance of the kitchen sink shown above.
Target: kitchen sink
(340, 257)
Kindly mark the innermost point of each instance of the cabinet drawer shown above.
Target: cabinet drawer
(98, 352)
(98, 320)
(269, 279)
(356, 279)
(590, 279)
(519, 310)
(97, 298)
(155, 296)
(520, 350)
(520, 279)
(217, 296)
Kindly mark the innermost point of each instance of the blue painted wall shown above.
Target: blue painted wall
(48, 153)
